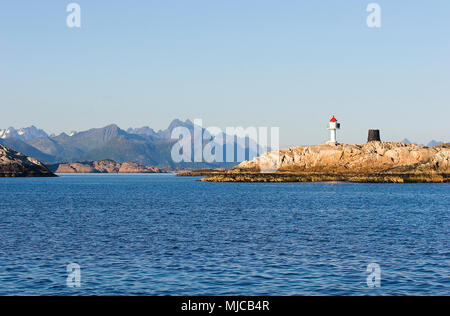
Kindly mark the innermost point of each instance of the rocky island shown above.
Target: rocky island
(374, 161)
(104, 166)
(14, 164)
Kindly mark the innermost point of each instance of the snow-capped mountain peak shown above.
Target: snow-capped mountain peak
(23, 133)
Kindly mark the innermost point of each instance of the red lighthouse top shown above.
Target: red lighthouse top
(333, 119)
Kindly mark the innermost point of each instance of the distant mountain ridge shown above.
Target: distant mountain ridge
(430, 144)
(141, 145)
(23, 133)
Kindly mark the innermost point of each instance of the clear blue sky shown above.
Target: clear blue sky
(284, 63)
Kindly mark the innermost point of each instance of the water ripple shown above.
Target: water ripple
(162, 235)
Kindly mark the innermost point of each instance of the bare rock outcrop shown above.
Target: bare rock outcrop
(372, 157)
(105, 166)
(14, 164)
(371, 162)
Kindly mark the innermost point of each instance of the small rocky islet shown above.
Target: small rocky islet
(15, 164)
(104, 166)
(374, 162)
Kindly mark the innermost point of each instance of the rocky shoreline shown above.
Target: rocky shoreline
(374, 162)
(104, 166)
(201, 173)
(14, 164)
(319, 177)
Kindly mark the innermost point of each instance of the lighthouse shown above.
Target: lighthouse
(333, 126)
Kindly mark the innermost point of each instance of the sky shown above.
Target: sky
(277, 63)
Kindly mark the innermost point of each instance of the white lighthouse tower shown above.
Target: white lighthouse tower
(334, 125)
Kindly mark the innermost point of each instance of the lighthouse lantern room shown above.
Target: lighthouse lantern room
(333, 126)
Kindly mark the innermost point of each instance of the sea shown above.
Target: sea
(158, 234)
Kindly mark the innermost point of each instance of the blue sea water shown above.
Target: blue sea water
(163, 235)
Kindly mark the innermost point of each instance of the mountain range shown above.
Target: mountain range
(23, 133)
(142, 145)
(430, 144)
